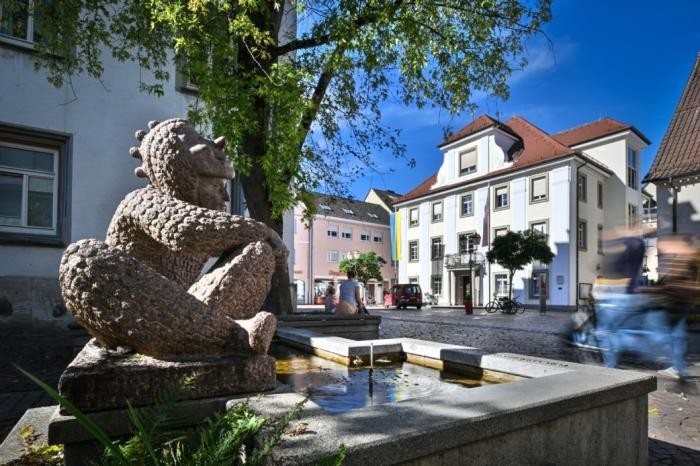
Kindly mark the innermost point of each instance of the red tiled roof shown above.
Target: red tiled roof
(595, 130)
(679, 152)
(480, 124)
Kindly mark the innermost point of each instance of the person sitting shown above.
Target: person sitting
(349, 295)
(330, 299)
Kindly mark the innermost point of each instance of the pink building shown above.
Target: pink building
(341, 228)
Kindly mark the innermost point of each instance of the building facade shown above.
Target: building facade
(675, 171)
(497, 177)
(64, 167)
(341, 228)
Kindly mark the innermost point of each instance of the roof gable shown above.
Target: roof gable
(480, 124)
(679, 152)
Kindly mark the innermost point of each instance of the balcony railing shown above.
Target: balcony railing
(462, 260)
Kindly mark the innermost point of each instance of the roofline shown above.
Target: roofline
(687, 174)
(622, 130)
(497, 125)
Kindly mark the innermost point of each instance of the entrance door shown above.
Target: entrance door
(466, 288)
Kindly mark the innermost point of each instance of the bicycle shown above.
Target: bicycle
(505, 305)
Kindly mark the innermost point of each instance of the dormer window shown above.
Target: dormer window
(372, 215)
(325, 207)
(348, 211)
(467, 162)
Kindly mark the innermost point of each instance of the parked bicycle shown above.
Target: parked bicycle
(430, 299)
(505, 305)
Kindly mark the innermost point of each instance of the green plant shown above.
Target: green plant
(223, 439)
(45, 455)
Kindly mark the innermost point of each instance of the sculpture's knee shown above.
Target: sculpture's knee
(261, 330)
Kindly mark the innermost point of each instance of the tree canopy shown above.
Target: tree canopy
(514, 250)
(296, 87)
(368, 266)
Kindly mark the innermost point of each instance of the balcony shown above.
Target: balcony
(461, 260)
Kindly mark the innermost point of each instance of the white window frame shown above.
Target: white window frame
(506, 229)
(507, 197)
(28, 41)
(346, 232)
(436, 280)
(582, 187)
(540, 222)
(632, 217)
(23, 226)
(413, 244)
(582, 234)
(632, 178)
(544, 198)
(437, 240)
(500, 276)
(436, 218)
(378, 237)
(533, 292)
(471, 240)
(471, 168)
(462, 200)
(365, 235)
(332, 256)
(332, 231)
(411, 222)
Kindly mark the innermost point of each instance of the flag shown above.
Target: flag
(395, 225)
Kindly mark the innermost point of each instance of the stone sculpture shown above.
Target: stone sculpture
(140, 288)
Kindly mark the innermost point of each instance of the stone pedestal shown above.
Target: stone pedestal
(98, 380)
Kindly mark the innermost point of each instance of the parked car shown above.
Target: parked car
(406, 295)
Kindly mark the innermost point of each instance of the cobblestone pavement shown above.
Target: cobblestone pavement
(674, 408)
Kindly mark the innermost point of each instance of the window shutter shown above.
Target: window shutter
(467, 161)
(539, 188)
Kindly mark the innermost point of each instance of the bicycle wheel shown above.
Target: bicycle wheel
(492, 307)
(519, 307)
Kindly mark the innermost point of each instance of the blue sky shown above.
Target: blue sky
(624, 59)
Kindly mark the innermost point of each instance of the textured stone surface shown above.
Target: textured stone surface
(139, 288)
(99, 380)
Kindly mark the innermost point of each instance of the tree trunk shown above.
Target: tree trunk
(510, 284)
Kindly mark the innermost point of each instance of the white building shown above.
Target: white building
(499, 176)
(64, 167)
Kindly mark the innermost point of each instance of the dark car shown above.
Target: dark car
(406, 295)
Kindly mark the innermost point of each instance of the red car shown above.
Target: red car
(406, 295)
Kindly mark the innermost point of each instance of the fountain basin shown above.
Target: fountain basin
(547, 412)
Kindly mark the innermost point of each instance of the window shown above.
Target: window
(325, 207)
(500, 231)
(436, 248)
(413, 280)
(372, 215)
(538, 188)
(437, 211)
(582, 234)
(600, 195)
(536, 283)
(378, 237)
(34, 170)
(348, 211)
(413, 251)
(436, 285)
(364, 235)
(346, 233)
(540, 227)
(600, 239)
(332, 231)
(18, 23)
(632, 215)
(500, 282)
(631, 168)
(467, 162)
(501, 197)
(581, 188)
(468, 204)
(332, 256)
(344, 255)
(468, 242)
(413, 217)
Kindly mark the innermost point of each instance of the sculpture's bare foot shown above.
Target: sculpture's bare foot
(261, 329)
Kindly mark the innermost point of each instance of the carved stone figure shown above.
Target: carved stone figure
(139, 288)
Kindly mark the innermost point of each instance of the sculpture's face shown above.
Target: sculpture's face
(208, 160)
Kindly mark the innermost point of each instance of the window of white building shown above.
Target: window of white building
(468, 242)
(413, 217)
(581, 188)
(500, 283)
(536, 283)
(437, 211)
(582, 236)
(413, 280)
(378, 237)
(500, 231)
(631, 168)
(600, 195)
(600, 239)
(538, 188)
(436, 285)
(540, 227)
(332, 231)
(632, 215)
(332, 256)
(413, 251)
(364, 235)
(34, 175)
(467, 205)
(436, 248)
(501, 197)
(346, 233)
(467, 162)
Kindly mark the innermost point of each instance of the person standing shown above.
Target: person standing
(349, 295)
